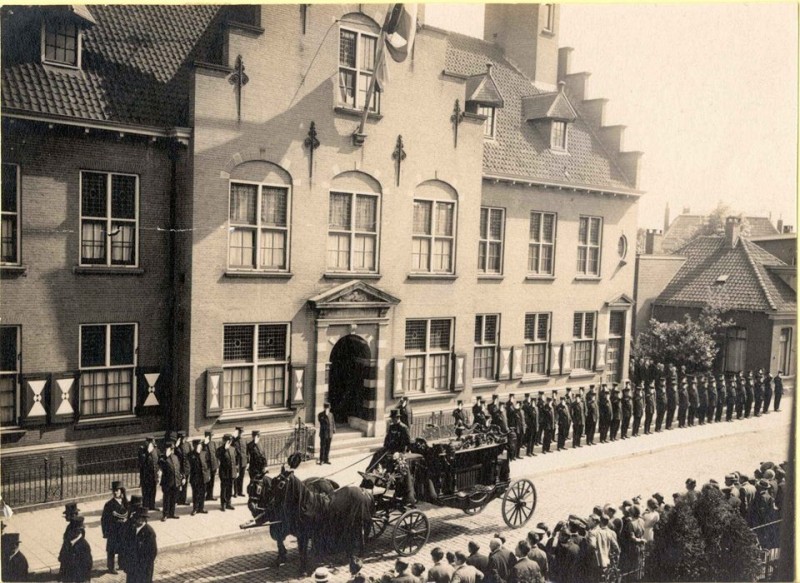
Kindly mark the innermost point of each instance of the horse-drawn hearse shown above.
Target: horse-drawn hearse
(465, 473)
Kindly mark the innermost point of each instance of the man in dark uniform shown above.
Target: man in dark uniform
(592, 414)
(171, 480)
(683, 401)
(748, 395)
(778, 390)
(256, 455)
(210, 450)
(711, 407)
(479, 413)
(540, 403)
(14, 563)
(548, 425)
(75, 557)
(141, 549)
(404, 410)
(722, 398)
(604, 407)
(496, 414)
(459, 417)
(522, 427)
(148, 472)
(199, 476)
(240, 447)
(693, 402)
(476, 409)
(182, 450)
(616, 412)
(758, 393)
(662, 403)
(563, 423)
(228, 471)
(397, 439)
(702, 400)
(649, 407)
(327, 427)
(731, 399)
(531, 424)
(740, 395)
(638, 408)
(767, 383)
(627, 410)
(578, 420)
(513, 428)
(113, 523)
(671, 385)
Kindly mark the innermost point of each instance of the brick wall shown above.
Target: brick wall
(653, 273)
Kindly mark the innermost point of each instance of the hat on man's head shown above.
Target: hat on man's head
(141, 513)
(76, 522)
(136, 500)
(196, 442)
(117, 485)
(402, 563)
(762, 485)
(209, 433)
(181, 434)
(691, 482)
(394, 413)
(170, 436)
(10, 539)
(239, 429)
(168, 444)
(255, 432)
(326, 405)
(227, 437)
(767, 466)
(322, 575)
(71, 509)
(150, 439)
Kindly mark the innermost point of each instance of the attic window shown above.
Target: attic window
(61, 43)
(488, 126)
(558, 135)
(549, 17)
(722, 279)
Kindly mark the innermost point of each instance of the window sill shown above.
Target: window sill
(582, 374)
(259, 414)
(350, 112)
(258, 274)
(484, 384)
(532, 379)
(102, 422)
(560, 151)
(429, 396)
(548, 33)
(491, 277)
(69, 66)
(12, 430)
(244, 27)
(350, 275)
(540, 278)
(442, 276)
(590, 278)
(105, 270)
(14, 270)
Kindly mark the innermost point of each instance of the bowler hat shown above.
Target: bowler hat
(117, 485)
(321, 575)
(294, 460)
(459, 402)
(762, 485)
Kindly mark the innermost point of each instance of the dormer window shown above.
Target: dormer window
(488, 125)
(483, 98)
(61, 43)
(558, 135)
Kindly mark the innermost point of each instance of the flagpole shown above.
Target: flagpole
(371, 89)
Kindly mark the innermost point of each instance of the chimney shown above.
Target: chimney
(652, 242)
(733, 226)
(780, 225)
(687, 210)
(528, 35)
(666, 217)
(787, 229)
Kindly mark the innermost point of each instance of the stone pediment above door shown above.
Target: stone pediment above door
(353, 298)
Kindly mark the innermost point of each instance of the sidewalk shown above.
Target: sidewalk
(41, 530)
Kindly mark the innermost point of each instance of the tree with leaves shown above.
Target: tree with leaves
(715, 222)
(678, 550)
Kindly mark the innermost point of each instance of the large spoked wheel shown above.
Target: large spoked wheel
(519, 502)
(377, 525)
(411, 532)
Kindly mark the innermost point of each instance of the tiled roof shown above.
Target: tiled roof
(134, 68)
(522, 149)
(685, 226)
(731, 278)
(553, 105)
(483, 90)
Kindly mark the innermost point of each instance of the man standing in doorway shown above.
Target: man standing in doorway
(327, 427)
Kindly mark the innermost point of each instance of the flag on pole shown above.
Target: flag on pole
(401, 29)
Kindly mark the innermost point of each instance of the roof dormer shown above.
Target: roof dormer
(61, 39)
(483, 98)
(553, 110)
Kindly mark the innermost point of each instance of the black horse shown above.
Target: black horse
(332, 519)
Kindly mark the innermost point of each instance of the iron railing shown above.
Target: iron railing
(435, 425)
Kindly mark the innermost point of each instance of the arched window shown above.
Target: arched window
(434, 230)
(354, 223)
(259, 217)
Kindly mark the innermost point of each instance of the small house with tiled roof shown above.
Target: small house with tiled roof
(686, 226)
(218, 230)
(748, 285)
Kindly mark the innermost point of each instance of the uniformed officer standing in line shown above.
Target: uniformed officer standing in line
(683, 401)
(662, 403)
(732, 398)
(578, 420)
(199, 476)
(627, 410)
(712, 399)
(592, 413)
(778, 390)
(113, 522)
(148, 471)
(477, 409)
(256, 455)
(182, 450)
(722, 398)
(638, 408)
(548, 425)
(241, 460)
(459, 417)
(531, 424)
(479, 416)
(522, 427)
(327, 427)
(171, 480)
(693, 402)
(210, 448)
(702, 400)
(604, 407)
(740, 395)
(540, 403)
(228, 471)
(616, 412)
(748, 395)
(672, 394)
(767, 383)
(513, 427)
(404, 410)
(649, 407)
(562, 412)
(758, 393)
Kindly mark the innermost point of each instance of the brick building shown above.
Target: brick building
(193, 237)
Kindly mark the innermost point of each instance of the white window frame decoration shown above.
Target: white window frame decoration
(112, 371)
(487, 338)
(425, 244)
(537, 338)
(10, 231)
(490, 125)
(587, 247)
(356, 236)
(9, 379)
(110, 227)
(559, 135)
(584, 336)
(489, 240)
(60, 23)
(538, 244)
(256, 370)
(263, 229)
(428, 366)
(358, 69)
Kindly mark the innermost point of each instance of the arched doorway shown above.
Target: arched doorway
(350, 359)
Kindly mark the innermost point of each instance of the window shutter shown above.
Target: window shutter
(566, 358)
(600, 357)
(150, 390)
(63, 397)
(215, 387)
(399, 380)
(458, 370)
(505, 364)
(516, 361)
(34, 399)
(555, 359)
(296, 389)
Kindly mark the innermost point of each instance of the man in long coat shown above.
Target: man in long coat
(327, 427)
(171, 480)
(228, 471)
(210, 451)
(182, 450)
(531, 413)
(75, 557)
(199, 475)
(148, 472)
(241, 460)
(114, 522)
(141, 549)
(592, 414)
(256, 455)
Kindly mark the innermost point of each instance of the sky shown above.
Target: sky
(707, 91)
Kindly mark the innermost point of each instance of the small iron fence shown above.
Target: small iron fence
(435, 425)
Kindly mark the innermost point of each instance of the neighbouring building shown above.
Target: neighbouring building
(195, 236)
(750, 286)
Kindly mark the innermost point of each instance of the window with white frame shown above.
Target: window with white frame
(489, 125)
(353, 232)
(558, 135)
(583, 334)
(486, 338)
(433, 241)
(490, 244)
(589, 237)
(259, 227)
(108, 365)
(542, 244)
(255, 366)
(785, 351)
(9, 373)
(61, 43)
(549, 17)
(735, 349)
(109, 219)
(9, 216)
(537, 341)
(428, 351)
(357, 52)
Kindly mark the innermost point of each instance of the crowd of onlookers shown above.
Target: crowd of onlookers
(609, 542)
